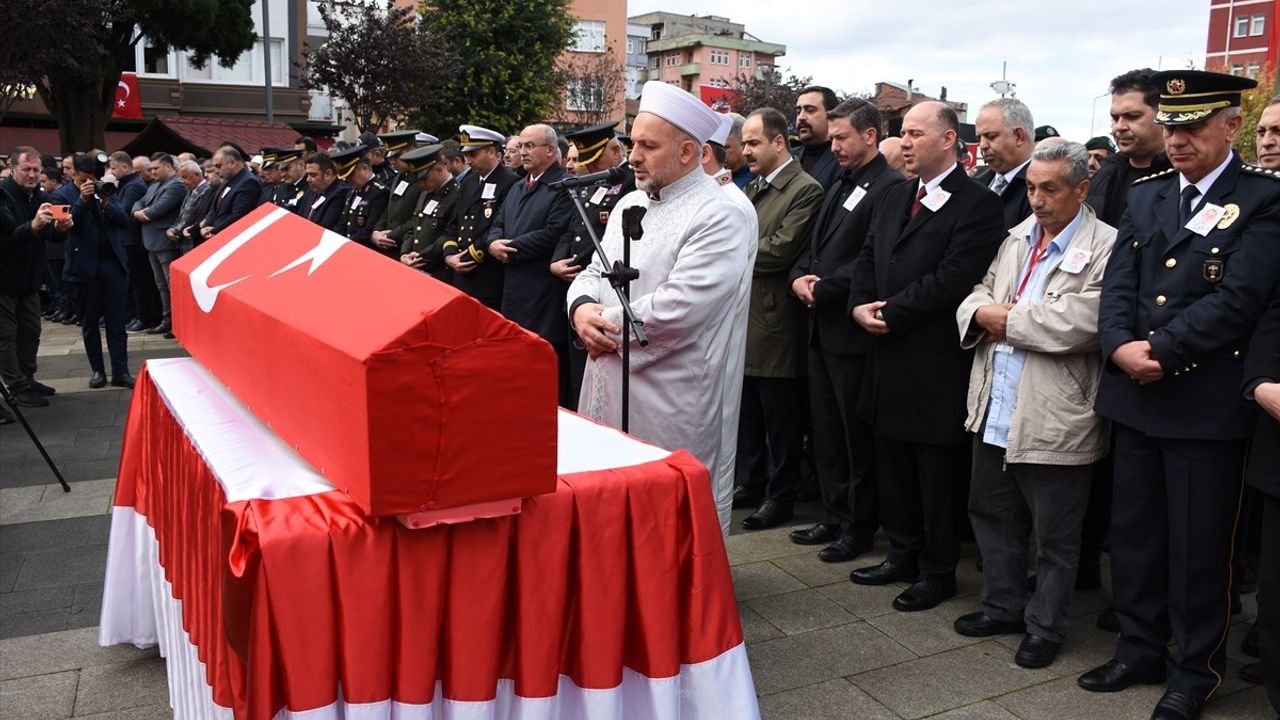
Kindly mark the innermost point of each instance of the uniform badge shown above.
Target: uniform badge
(1213, 270)
(360, 221)
(604, 217)
(1176, 86)
(435, 223)
(488, 212)
(1230, 212)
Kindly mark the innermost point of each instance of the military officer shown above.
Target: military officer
(375, 150)
(480, 196)
(367, 201)
(270, 175)
(420, 245)
(294, 179)
(1194, 264)
(404, 193)
(598, 150)
(328, 191)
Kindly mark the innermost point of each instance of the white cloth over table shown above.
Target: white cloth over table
(695, 259)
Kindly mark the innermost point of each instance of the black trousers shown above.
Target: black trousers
(842, 444)
(923, 489)
(770, 428)
(1269, 596)
(1175, 507)
(577, 368)
(105, 295)
(566, 396)
(142, 286)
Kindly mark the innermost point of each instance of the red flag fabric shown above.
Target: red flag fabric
(128, 102)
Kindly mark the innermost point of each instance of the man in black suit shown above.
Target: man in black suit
(844, 454)
(929, 243)
(534, 215)
(1006, 139)
(479, 199)
(1194, 264)
(238, 195)
(814, 153)
(328, 192)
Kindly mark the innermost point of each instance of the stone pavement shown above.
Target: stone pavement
(819, 646)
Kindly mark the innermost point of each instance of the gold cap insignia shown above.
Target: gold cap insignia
(1176, 86)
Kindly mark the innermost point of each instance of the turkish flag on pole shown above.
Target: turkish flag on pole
(128, 104)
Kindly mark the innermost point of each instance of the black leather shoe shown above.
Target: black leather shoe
(979, 624)
(124, 381)
(6, 417)
(26, 397)
(745, 497)
(1036, 652)
(1249, 646)
(1115, 676)
(845, 548)
(1177, 706)
(136, 326)
(1252, 673)
(771, 513)
(160, 329)
(819, 534)
(41, 388)
(71, 319)
(924, 595)
(884, 573)
(97, 380)
(1108, 621)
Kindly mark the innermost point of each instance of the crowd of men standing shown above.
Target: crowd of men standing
(1072, 347)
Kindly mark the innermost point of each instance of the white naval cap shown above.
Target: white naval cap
(680, 109)
(721, 135)
(425, 138)
(476, 137)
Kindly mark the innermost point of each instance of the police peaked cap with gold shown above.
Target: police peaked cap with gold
(420, 160)
(344, 163)
(269, 156)
(1189, 96)
(591, 141)
(474, 137)
(397, 142)
(284, 156)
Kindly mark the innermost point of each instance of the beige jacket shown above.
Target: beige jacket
(1053, 419)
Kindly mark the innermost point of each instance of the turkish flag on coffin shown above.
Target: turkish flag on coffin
(403, 392)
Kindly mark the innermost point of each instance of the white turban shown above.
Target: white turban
(721, 135)
(680, 109)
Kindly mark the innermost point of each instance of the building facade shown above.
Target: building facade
(692, 51)
(1244, 38)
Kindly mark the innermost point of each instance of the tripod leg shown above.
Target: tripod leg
(12, 402)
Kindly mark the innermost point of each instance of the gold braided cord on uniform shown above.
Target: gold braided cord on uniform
(1190, 112)
(476, 254)
(588, 154)
(428, 166)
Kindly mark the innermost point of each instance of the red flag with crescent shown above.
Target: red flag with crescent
(128, 104)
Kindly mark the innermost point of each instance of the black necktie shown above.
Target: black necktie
(760, 188)
(1189, 194)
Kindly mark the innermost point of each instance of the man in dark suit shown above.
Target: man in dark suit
(155, 212)
(1006, 139)
(534, 215)
(1194, 264)
(238, 195)
(328, 192)
(480, 197)
(821, 279)
(185, 231)
(143, 304)
(814, 153)
(929, 243)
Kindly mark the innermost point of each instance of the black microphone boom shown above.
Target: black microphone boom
(612, 176)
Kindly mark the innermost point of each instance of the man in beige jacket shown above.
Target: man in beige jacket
(1034, 319)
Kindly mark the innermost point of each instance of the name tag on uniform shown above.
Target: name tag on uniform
(319, 201)
(1206, 219)
(598, 195)
(1075, 261)
(487, 192)
(854, 198)
(430, 209)
(400, 188)
(936, 199)
(355, 202)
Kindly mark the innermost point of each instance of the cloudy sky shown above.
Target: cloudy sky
(1060, 54)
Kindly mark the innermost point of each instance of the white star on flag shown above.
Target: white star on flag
(119, 103)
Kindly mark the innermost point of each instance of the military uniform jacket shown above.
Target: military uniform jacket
(362, 208)
(325, 210)
(467, 233)
(384, 173)
(296, 195)
(838, 234)
(426, 235)
(598, 201)
(402, 201)
(272, 193)
(917, 377)
(1016, 204)
(1194, 298)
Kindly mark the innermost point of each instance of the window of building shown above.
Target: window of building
(718, 82)
(1252, 70)
(672, 60)
(1242, 26)
(719, 57)
(631, 46)
(744, 61)
(1259, 23)
(584, 95)
(153, 60)
(315, 22)
(247, 70)
(588, 36)
(1237, 69)
(655, 62)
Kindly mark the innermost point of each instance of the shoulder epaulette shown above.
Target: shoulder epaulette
(1152, 176)
(1265, 172)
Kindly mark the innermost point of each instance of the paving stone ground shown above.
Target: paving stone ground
(819, 646)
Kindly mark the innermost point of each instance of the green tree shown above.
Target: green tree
(767, 87)
(509, 52)
(81, 46)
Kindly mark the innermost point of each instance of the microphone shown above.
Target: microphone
(631, 217)
(612, 175)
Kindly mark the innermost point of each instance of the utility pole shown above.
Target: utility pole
(266, 58)
(1003, 86)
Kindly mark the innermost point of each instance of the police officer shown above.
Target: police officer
(375, 150)
(270, 174)
(1194, 264)
(421, 244)
(367, 201)
(294, 192)
(480, 197)
(404, 193)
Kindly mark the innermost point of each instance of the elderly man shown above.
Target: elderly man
(1268, 141)
(891, 148)
(1034, 320)
(929, 243)
(155, 211)
(695, 258)
(1006, 139)
(185, 230)
(1194, 265)
(733, 156)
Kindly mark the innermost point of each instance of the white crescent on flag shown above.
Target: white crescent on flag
(125, 85)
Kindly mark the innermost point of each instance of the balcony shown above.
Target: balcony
(690, 69)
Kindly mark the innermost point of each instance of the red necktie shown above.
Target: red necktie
(528, 183)
(915, 206)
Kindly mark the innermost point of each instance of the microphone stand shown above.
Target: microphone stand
(12, 402)
(620, 275)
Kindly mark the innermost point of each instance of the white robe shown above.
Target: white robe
(695, 260)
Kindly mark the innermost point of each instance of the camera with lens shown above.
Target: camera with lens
(106, 187)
